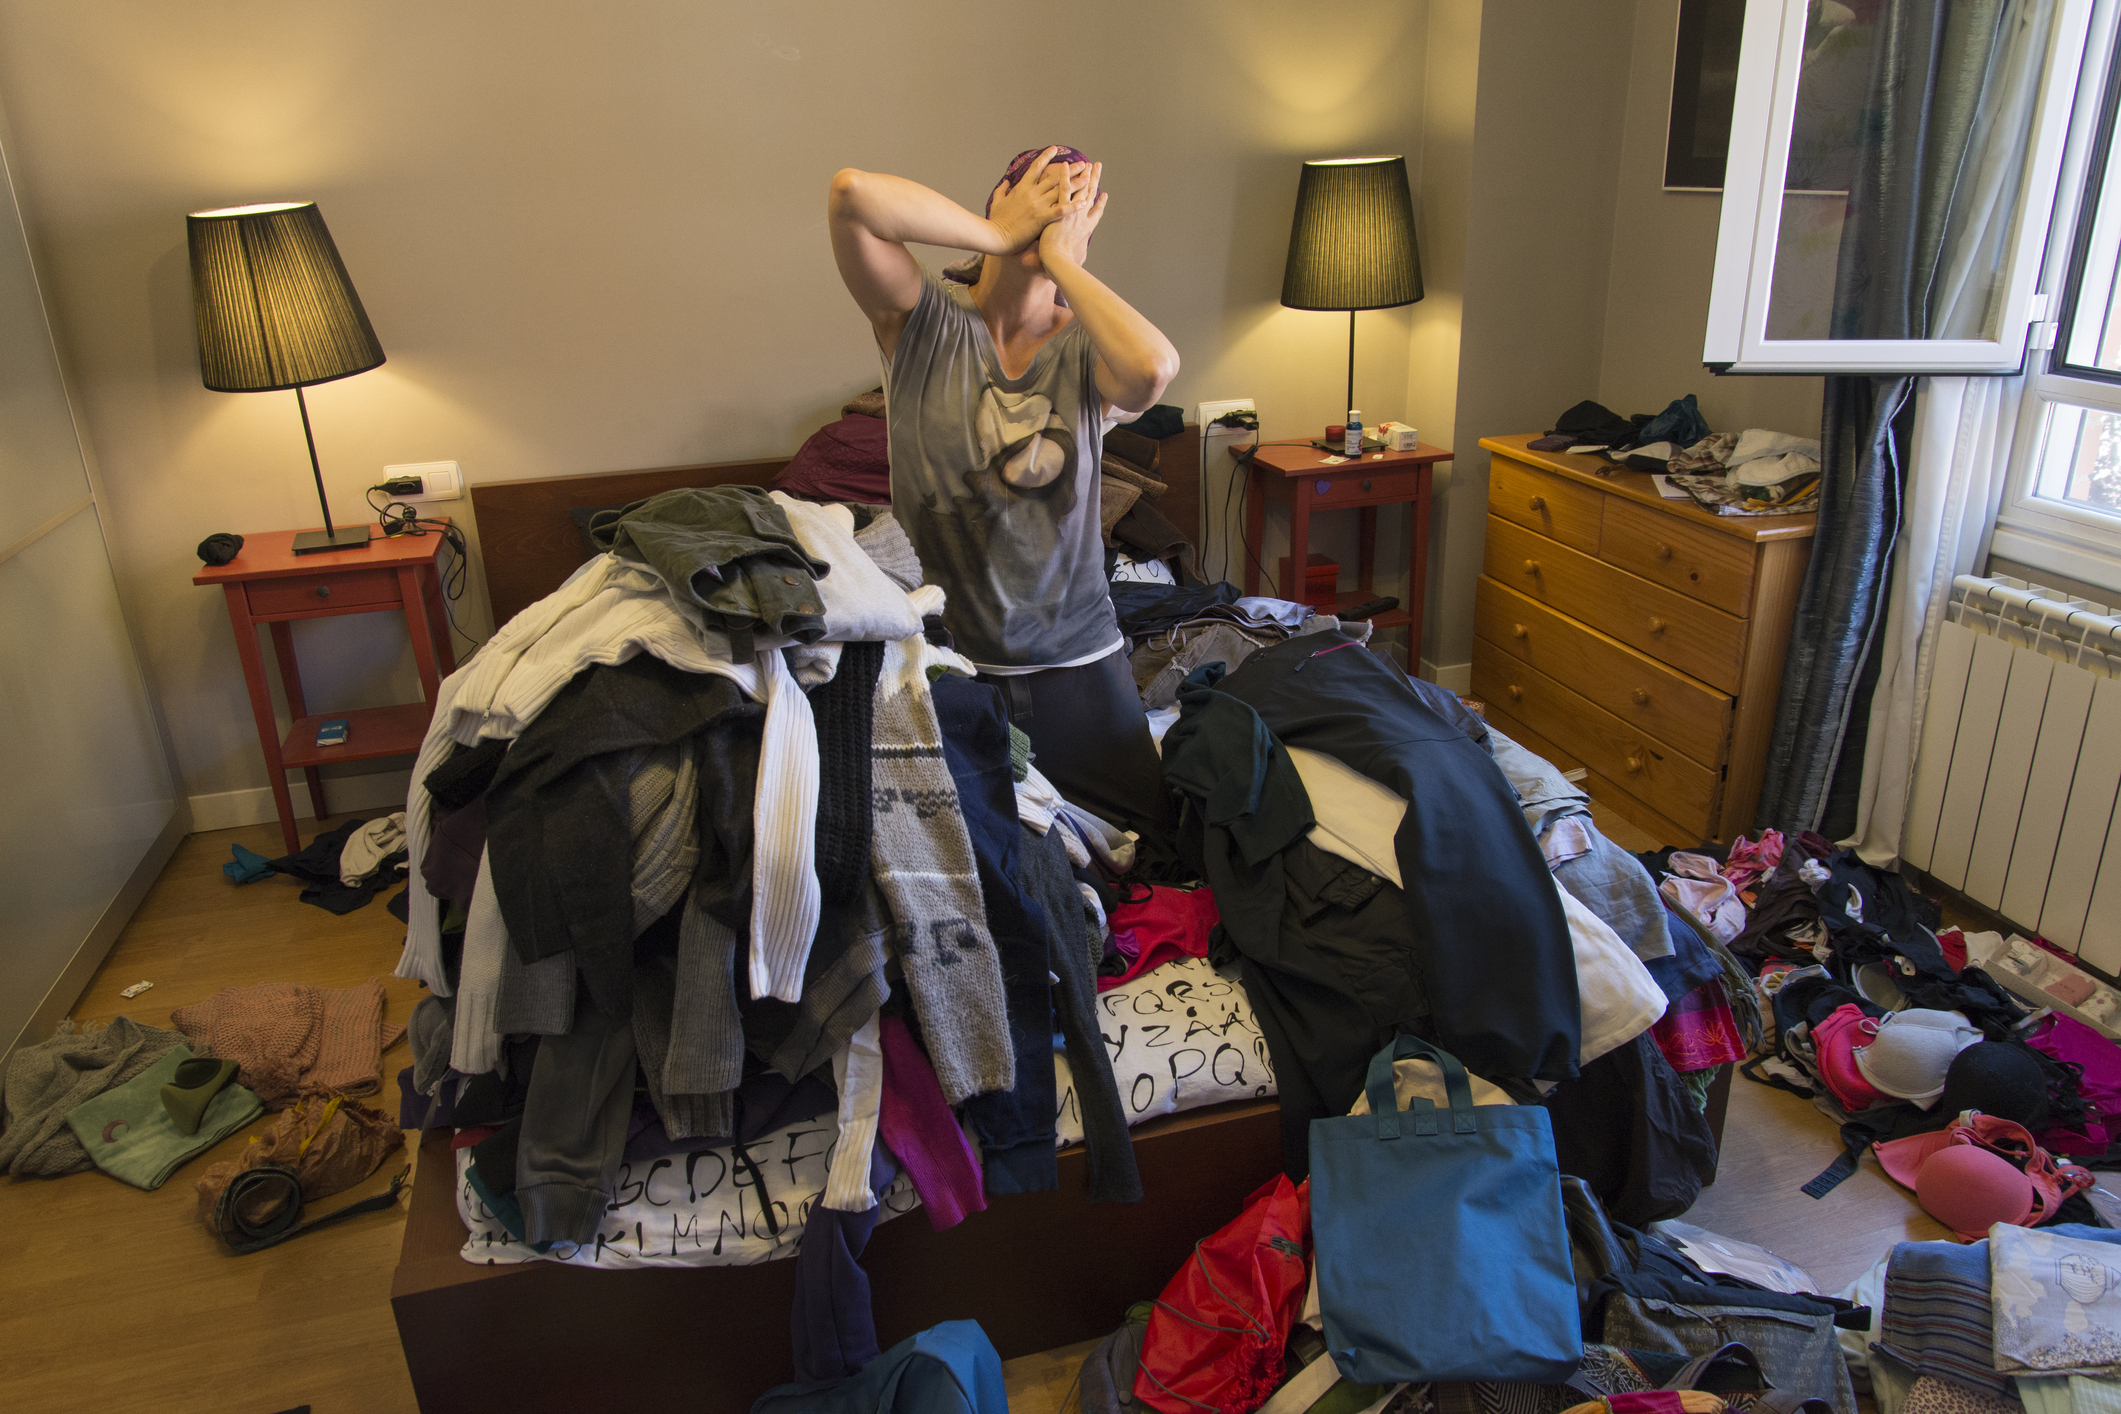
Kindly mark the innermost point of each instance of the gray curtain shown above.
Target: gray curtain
(1930, 59)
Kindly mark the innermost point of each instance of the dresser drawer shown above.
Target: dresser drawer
(1351, 488)
(333, 589)
(1664, 779)
(1685, 633)
(1634, 687)
(1539, 500)
(1716, 569)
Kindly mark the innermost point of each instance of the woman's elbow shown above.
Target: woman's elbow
(845, 191)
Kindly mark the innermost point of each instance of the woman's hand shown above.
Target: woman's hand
(1020, 213)
(1067, 238)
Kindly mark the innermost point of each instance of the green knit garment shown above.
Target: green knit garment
(1019, 753)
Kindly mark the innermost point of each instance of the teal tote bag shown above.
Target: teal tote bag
(1441, 1247)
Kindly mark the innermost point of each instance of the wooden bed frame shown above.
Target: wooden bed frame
(529, 544)
(1036, 1270)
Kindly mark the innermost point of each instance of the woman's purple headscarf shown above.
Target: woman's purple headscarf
(966, 271)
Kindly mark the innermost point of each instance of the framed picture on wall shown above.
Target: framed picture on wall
(1704, 79)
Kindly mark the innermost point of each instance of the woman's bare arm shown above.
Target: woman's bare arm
(872, 216)
(1135, 362)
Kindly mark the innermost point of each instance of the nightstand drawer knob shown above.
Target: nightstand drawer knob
(1539, 503)
(1519, 631)
(1664, 552)
(1642, 699)
(324, 591)
(1516, 692)
(1366, 486)
(1656, 625)
(1531, 567)
(1634, 765)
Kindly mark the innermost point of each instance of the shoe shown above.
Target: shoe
(198, 1081)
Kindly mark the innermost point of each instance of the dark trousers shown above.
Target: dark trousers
(1091, 739)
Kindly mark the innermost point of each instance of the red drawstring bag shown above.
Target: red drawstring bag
(1217, 1335)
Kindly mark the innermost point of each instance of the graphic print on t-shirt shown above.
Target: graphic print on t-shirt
(1033, 445)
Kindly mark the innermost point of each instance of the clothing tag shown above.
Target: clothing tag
(135, 989)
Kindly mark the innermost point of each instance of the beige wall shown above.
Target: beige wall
(590, 237)
(1664, 251)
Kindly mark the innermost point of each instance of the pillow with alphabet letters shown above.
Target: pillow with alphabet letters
(1180, 1036)
(692, 1210)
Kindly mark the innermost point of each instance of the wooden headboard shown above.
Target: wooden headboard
(529, 545)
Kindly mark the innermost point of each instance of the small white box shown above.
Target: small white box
(1398, 437)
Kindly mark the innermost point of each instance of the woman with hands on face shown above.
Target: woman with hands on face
(1000, 380)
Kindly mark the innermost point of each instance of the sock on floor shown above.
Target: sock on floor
(197, 1082)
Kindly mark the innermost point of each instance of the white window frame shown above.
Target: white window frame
(1762, 114)
(2075, 542)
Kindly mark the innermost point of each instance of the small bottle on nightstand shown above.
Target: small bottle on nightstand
(1354, 433)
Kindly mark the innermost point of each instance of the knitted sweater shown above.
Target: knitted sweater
(289, 1038)
(924, 865)
(47, 1080)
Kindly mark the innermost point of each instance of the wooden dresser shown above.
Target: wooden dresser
(1638, 637)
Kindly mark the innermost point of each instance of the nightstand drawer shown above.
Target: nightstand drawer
(1634, 687)
(334, 589)
(1686, 633)
(1701, 564)
(1349, 487)
(1666, 780)
(1537, 500)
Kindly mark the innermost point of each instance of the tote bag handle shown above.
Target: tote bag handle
(1384, 1105)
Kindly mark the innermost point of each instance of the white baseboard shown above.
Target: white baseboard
(1458, 677)
(229, 808)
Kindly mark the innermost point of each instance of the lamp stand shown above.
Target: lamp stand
(355, 537)
(1350, 403)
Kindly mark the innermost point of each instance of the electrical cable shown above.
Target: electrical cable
(1244, 461)
(400, 519)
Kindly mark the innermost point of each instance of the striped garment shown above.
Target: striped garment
(1937, 1318)
(922, 856)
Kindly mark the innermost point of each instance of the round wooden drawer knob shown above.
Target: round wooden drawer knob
(1519, 631)
(1634, 765)
(1656, 625)
(1664, 552)
(1539, 503)
(324, 591)
(1366, 486)
(1516, 692)
(1642, 699)
(1531, 567)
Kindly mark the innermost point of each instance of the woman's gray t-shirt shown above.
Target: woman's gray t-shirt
(996, 483)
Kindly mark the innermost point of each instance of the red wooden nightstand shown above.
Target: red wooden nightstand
(1299, 479)
(267, 584)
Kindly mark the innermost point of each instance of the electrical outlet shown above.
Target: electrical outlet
(439, 481)
(1241, 418)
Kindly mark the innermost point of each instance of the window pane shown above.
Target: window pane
(2094, 339)
(2080, 459)
(1907, 158)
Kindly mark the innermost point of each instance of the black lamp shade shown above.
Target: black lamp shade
(1351, 245)
(273, 304)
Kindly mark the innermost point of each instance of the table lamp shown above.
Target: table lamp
(275, 310)
(1351, 245)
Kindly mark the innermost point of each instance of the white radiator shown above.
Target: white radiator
(2016, 778)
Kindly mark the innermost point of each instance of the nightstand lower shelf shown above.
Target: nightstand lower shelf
(370, 731)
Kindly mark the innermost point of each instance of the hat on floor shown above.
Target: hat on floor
(1998, 1078)
(1912, 1051)
(1970, 1190)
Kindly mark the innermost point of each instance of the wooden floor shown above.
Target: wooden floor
(114, 1299)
